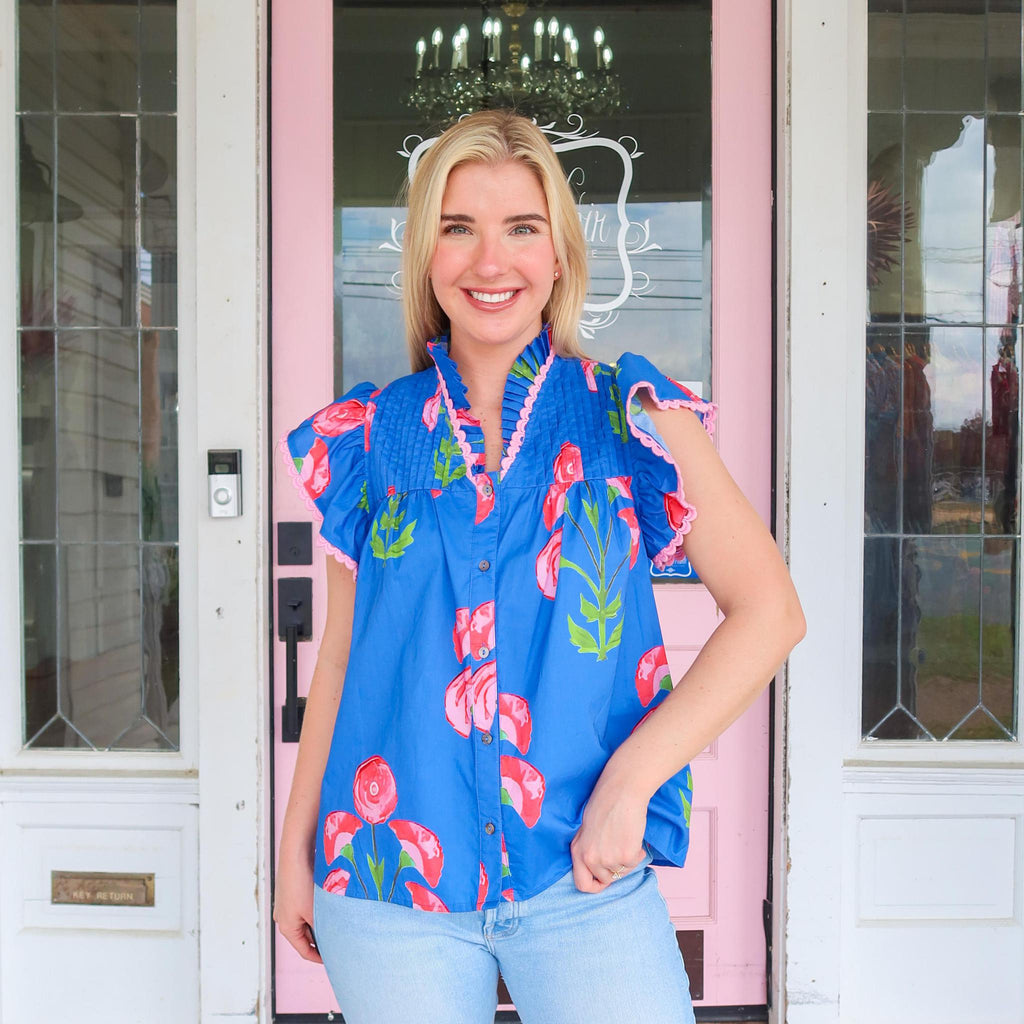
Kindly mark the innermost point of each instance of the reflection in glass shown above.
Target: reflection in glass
(38, 437)
(1003, 55)
(1002, 431)
(944, 185)
(98, 373)
(942, 401)
(103, 662)
(883, 430)
(39, 581)
(158, 72)
(97, 56)
(942, 371)
(96, 255)
(885, 49)
(889, 219)
(945, 56)
(35, 56)
(159, 435)
(98, 439)
(158, 190)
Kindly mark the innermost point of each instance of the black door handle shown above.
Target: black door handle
(294, 624)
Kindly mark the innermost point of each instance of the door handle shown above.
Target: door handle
(294, 624)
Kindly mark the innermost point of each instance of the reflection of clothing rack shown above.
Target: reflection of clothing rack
(1002, 443)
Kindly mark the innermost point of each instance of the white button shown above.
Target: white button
(222, 496)
(488, 490)
(483, 652)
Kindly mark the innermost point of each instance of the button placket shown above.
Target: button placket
(486, 753)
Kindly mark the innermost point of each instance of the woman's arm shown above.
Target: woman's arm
(736, 557)
(293, 902)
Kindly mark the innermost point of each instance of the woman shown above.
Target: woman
(510, 755)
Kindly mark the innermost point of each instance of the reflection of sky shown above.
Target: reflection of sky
(665, 322)
(951, 211)
(954, 375)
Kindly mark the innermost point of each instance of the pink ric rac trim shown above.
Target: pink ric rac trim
(296, 479)
(524, 415)
(456, 422)
(666, 556)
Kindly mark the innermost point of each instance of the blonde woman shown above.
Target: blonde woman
(493, 752)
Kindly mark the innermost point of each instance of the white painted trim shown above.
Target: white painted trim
(229, 285)
(821, 147)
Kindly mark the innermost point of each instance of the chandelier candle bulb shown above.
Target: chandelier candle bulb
(497, 39)
(436, 40)
(456, 52)
(598, 42)
(538, 39)
(421, 48)
(567, 39)
(524, 63)
(574, 49)
(488, 36)
(464, 47)
(553, 37)
(607, 54)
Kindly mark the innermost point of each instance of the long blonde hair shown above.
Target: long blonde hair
(489, 137)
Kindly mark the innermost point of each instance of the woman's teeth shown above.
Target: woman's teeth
(492, 296)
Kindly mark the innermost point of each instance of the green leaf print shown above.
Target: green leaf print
(605, 607)
(363, 503)
(405, 861)
(390, 520)
(686, 807)
(617, 415)
(348, 853)
(526, 366)
(377, 871)
(447, 450)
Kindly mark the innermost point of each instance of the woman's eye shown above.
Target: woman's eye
(528, 229)
(452, 229)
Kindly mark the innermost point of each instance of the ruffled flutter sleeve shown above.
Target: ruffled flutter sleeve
(326, 459)
(663, 513)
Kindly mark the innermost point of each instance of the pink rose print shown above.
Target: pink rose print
(460, 633)
(622, 485)
(547, 564)
(430, 408)
(485, 690)
(677, 512)
(554, 505)
(568, 468)
(652, 674)
(481, 892)
(484, 500)
(316, 470)
(469, 418)
(391, 490)
(436, 492)
(337, 881)
(481, 629)
(371, 408)
(628, 515)
(339, 828)
(514, 720)
(505, 872)
(509, 895)
(588, 371)
(522, 786)
(422, 847)
(456, 702)
(568, 465)
(374, 790)
(339, 417)
(424, 899)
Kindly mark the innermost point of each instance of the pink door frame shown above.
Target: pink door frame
(721, 889)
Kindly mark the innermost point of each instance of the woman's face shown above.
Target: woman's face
(494, 265)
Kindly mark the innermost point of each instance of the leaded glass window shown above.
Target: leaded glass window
(943, 350)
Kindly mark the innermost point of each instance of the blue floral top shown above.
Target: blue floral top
(505, 638)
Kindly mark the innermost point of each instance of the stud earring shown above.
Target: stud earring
(558, 274)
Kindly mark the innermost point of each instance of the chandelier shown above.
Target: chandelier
(543, 80)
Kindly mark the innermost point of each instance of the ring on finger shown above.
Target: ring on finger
(617, 873)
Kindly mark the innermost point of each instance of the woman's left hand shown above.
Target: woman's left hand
(610, 837)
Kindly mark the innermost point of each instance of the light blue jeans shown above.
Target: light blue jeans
(567, 957)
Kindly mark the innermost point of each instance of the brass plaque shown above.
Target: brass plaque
(102, 888)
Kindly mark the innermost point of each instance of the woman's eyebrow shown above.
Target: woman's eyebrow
(463, 218)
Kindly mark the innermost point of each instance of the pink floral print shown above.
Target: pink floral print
(374, 790)
(514, 721)
(522, 787)
(340, 828)
(336, 881)
(547, 564)
(315, 473)
(340, 417)
(422, 847)
(652, 674)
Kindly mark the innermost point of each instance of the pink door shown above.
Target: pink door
(690, 286)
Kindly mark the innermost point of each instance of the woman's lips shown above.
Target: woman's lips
(495, 301)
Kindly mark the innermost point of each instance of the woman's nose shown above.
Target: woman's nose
(491, 257)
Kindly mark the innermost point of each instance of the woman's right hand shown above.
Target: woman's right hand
(293, 907)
